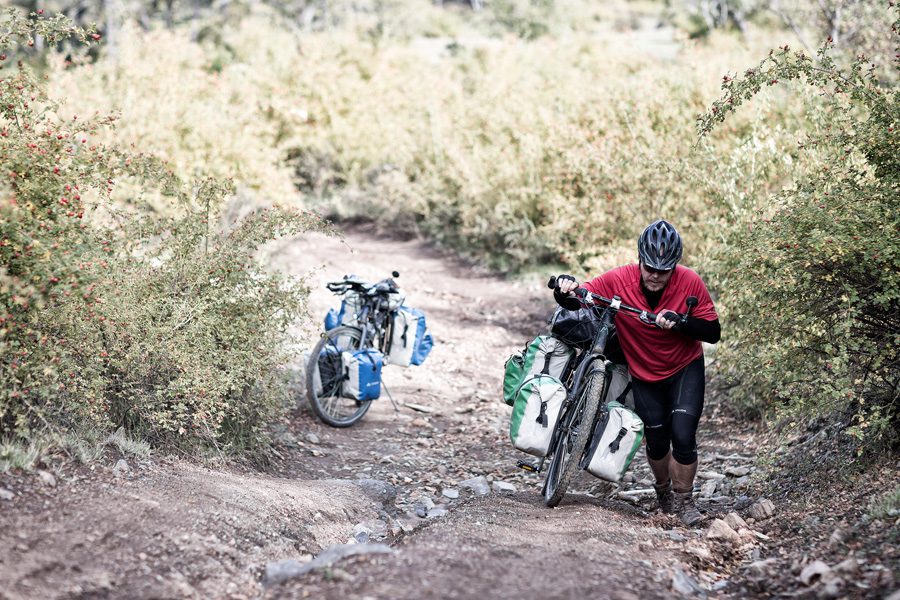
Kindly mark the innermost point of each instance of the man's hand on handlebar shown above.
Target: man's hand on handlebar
(567, 284)
(667, 319)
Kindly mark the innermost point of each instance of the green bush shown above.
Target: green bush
(814, 275)
(112, 316)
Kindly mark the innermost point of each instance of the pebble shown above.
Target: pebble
(437, 511)
(312, 438)
(708, 488)
(709, 475)
(5, 494)
(451, 493)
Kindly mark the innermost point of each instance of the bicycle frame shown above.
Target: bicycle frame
(580, 377)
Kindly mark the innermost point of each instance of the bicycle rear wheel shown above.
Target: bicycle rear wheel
(325, 379)
(571, 437)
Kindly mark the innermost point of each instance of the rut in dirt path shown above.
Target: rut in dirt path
(438, 484)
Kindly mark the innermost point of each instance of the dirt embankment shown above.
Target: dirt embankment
(424, 502)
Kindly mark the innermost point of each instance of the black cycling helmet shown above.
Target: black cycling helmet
(659, 247)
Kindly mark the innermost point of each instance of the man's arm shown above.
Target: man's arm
(698, 329)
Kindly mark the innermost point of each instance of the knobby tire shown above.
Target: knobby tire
(563, 473)
(326, 405)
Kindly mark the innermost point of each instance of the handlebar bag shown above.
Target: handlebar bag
(575, 327)
(410, 342)
(544, 354)
(539, 396)
(616, 439)
(362, 374)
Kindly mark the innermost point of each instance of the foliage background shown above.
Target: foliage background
(525, 134)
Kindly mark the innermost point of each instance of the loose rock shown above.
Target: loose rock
(762, 568)
(737, 471)
(479, 486)
(813, 571)
(848, 566)
(684, 585)
(6, 494)
(503, 487)
(735, 521)
(451, 493)
(47, 478)
(121, 467)
(833, 588)
(380, 491)
(762, 509)
(282, 570)
(719, 530)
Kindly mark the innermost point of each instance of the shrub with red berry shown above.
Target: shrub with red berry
(111, 316)
(814, 275)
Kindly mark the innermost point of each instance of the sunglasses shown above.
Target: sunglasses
(656, 271)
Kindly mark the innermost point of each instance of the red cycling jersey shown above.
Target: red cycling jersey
(653, 353)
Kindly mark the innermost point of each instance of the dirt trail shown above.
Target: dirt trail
(168, 528)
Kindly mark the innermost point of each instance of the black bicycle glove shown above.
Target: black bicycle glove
(562, 278)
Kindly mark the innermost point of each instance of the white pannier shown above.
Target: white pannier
(616, 439)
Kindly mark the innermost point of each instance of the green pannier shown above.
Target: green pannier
(544, 354)
(533, 385)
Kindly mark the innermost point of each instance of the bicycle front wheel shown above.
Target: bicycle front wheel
(325, 379)
(571, 437)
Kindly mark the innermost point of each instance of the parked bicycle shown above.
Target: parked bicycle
(373, 328)
(587, 387)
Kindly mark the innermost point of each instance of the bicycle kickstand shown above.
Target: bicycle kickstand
(394, 402)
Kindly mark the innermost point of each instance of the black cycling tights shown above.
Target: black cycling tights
(671, 410)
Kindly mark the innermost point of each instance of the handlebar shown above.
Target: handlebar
(351, 282)
(589, 299)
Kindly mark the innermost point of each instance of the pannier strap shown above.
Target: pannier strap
(546, 369)
(614, 445)
(542, 416)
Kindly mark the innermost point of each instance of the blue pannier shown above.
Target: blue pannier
(362, 374)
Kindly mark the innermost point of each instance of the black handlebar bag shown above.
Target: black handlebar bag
(577, 328)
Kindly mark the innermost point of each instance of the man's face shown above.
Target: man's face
(654, 280)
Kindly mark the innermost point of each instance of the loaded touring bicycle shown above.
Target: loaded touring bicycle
(561, 409)
(372, 328)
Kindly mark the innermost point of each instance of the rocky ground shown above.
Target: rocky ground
(425, 500)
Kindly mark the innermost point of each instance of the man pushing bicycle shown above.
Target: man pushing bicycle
(666, 361)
